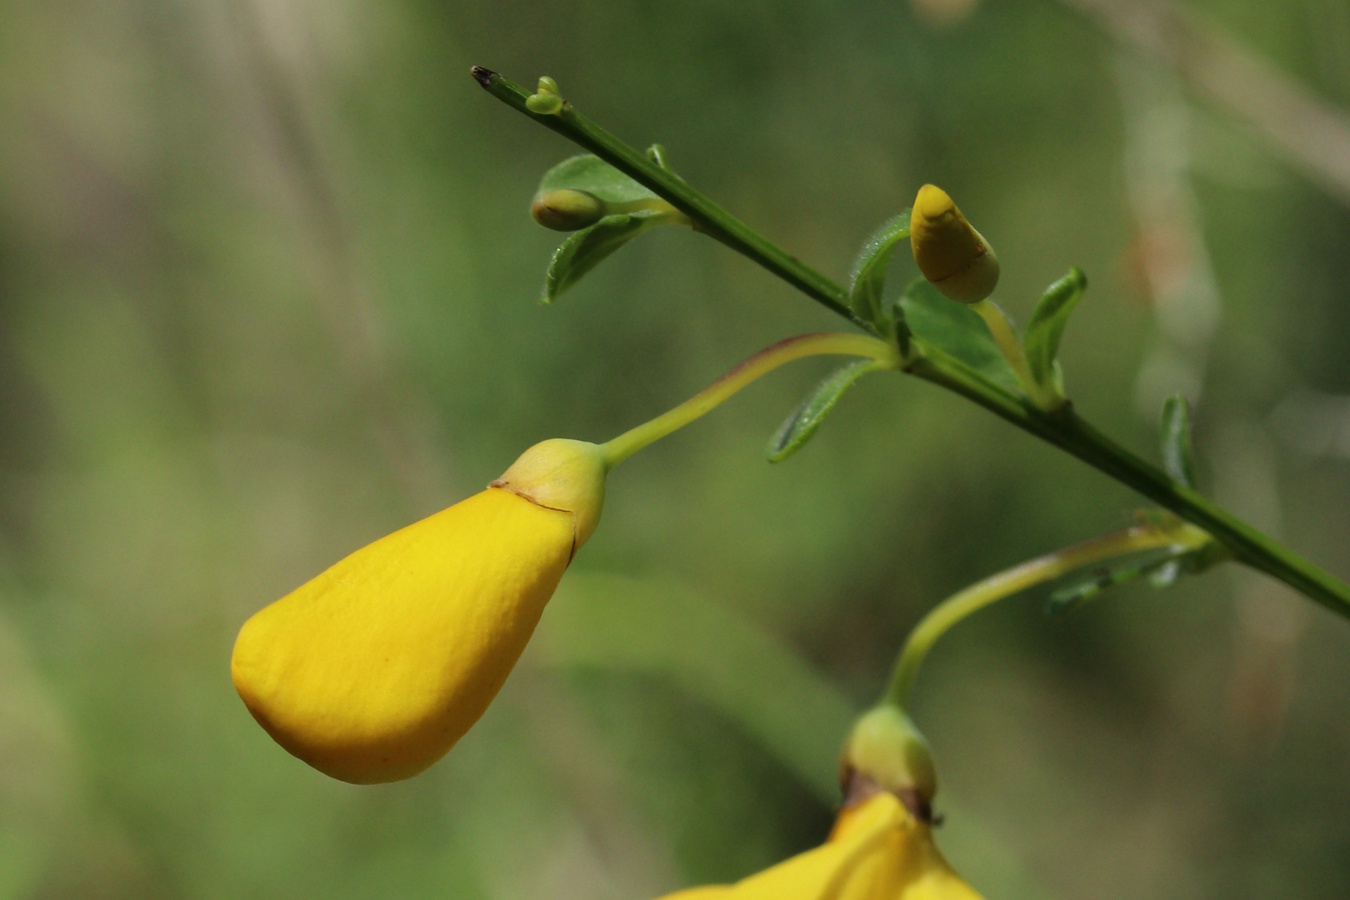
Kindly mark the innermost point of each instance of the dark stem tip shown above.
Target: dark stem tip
(482, 75)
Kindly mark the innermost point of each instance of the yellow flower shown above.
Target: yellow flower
(371, 671)
(951, 254)
(878, 851)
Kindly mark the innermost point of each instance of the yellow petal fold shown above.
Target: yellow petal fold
(878, 851)
(371, 671)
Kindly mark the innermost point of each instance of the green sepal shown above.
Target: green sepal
(868, 278)
(1178, 454)
(956, 330)
(585, 249)
(1047, 327)
(595, 176)
(805, 420)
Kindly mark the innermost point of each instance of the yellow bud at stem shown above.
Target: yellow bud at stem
(951, 254)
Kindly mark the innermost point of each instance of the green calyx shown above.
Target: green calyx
(886, 752)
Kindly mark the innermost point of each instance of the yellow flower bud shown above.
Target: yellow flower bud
(567, 209)
(371, 671)
(952, 255)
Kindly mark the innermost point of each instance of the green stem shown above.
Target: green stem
(712, 219)
(1061, 427)
(1071, 433)
(749, 371)
(1011, 581)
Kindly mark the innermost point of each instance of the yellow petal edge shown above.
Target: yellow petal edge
(374, 669)
(878, 851)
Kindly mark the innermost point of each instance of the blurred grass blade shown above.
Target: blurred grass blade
(723, 659)
(1178, 453)
(587, 248)
(868, 279)
(805, 420)
(1047, 327)
(956, 330)
(595, 176)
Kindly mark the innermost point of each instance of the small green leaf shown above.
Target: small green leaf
(595, 176)
(799, 427)
(585, 249)
(1164, 570)
(1178, 454)
(1047, 326)
(956, 330)
(868, 278)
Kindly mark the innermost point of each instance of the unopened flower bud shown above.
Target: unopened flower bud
(952, 255)
(567, 209)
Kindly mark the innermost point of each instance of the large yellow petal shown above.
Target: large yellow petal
(371, 671)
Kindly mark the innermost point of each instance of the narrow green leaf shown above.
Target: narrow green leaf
(1081, 590)
(585, 249)
(806, 418)
(1162, 568)
(1163, 571)
(595, 176)
(1047, 326)
(1178, 454)
(956, 330)
(868, 277)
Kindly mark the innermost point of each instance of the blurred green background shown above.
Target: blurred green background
(267, 292)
